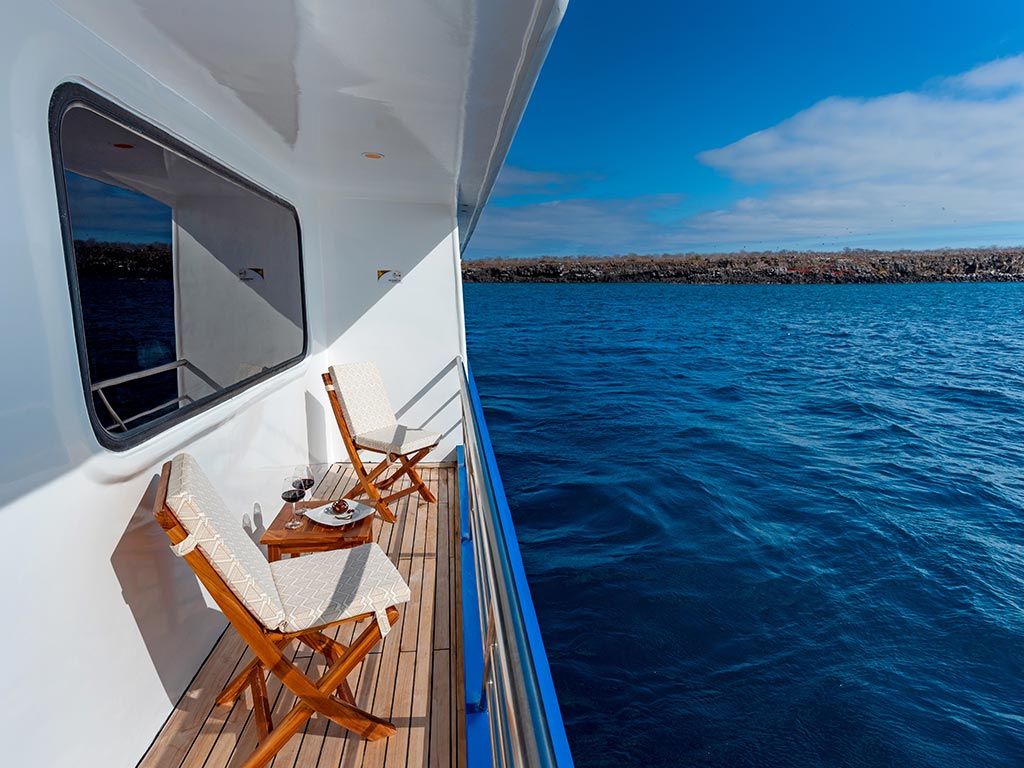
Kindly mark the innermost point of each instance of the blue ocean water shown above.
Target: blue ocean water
(768, 525)
(129, 327)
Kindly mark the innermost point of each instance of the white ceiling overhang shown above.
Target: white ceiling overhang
(436, 86)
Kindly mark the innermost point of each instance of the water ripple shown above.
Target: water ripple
(768, 525)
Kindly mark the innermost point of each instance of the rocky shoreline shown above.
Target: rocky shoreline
(153, 261)
(770, 267)
(98, 259)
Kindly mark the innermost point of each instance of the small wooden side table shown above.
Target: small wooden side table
(313, 537)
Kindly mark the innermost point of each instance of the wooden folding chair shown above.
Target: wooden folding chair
(367, 422)
(272, 604)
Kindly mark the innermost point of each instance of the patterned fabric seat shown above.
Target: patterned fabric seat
(289, 595)
(367, 423)
(326, 587)
(397, 439)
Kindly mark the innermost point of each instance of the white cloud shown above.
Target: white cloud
(570, 227)
(996, 75)
(947, 156)
(513, 180)
(940, 165)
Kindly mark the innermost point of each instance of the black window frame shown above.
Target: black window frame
(67, 96)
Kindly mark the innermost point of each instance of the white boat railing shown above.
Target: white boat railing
(100, 387)
(513, 717)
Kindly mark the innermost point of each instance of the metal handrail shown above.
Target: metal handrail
(100, 386)
(513, 717)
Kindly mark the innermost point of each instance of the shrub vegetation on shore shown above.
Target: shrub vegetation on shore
(848, 266)
(101, 259)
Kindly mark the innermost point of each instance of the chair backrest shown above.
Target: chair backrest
(219, 536)
(362, 396)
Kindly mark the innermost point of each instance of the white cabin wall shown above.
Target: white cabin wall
(105, 626)
(412, 328)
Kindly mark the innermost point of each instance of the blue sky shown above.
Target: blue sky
(710, 126)
(109, 213)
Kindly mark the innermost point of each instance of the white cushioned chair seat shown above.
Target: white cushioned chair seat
(325, 587)
(219, 535)
(397, 439)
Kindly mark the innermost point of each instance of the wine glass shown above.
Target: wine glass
(292, 491)
(305, 477)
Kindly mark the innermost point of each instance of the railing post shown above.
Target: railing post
(465, 532)
(472, 647)
(478, 731)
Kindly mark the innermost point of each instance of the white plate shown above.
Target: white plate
(325, 516)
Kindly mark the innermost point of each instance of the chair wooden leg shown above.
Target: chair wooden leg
(399, 494)
(406, 468)
(367, 487)
(366, 480)
(261, 704)
(385, 511)
(385, 484)
(420, 485)
(367, 725)
(270, 746)
(238, 683)
(409, 468)
(347, 715)
(345, 693)
(344, 713)
(234, 689)
(332, 651)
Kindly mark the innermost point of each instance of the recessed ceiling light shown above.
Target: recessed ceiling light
(125, 146)
(373, 155)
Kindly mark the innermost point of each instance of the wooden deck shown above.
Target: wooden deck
(414, 677)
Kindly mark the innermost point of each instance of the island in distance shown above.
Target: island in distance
(100, 259)
(849, 266)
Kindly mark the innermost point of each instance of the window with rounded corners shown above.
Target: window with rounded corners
(186, 279)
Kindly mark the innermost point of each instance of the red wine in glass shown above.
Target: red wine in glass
(292, 492)
(304, 478)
